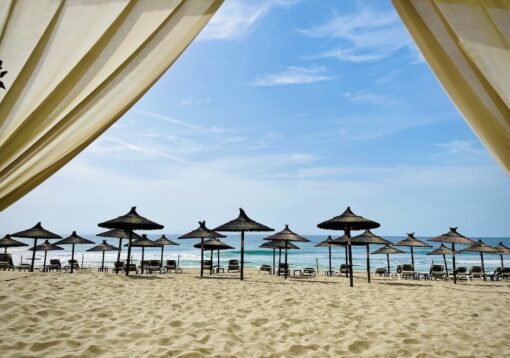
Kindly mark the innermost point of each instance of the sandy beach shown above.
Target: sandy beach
(179, 315)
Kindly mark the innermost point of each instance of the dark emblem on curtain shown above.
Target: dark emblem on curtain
(2, 74)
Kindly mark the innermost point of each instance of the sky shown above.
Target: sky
(292, 110)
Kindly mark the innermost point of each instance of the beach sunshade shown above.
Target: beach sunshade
(482, 248)
(143, 242)
(348, 221)
(242, 224)
(327, 243)
(104, 246)
(37, 232)
(212, 244)
(202, 233)
(74, 239)
(45, 246)
(8, 241)
(502, 250)
(367, 238)
(387, 250)
(278, 244)
(163, 241)
(129, 222)
(412, 242)
(442, 250)
(120, 234)
(453, 237)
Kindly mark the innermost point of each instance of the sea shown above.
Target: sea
(306, 256)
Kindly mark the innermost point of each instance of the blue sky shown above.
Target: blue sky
(292, 110)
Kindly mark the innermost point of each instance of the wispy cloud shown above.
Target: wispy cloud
(235, 18)
(364, 36)
(189, 101)
(178, 122)
(461, 151)
(369, 97)
(294, 75)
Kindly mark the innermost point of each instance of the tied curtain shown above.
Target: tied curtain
(467, 45)
(73, 68)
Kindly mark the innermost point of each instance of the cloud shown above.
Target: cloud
(369, 97)
(189, 101)
(461, 151)
(235, 18)
(364, 36)
(294, 75)
(178, 122)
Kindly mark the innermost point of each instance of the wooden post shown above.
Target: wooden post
(242, 255)
(279, 259)
(143, 256)
(346, 260)
(388, 261)
(274, 260)
(202, 257)
(102, 263)
(286, 265)
(44, 264)
(128, 260)
(329, 249)
(368, 262)
(210, 268)
(118, 255)
(445, 265)
(454, 268)
(161, 261)
(351, 275)
(483, 265)
(72, 259)
(33, 256)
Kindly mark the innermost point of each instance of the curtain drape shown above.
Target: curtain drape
(467, 45)
(73, 68)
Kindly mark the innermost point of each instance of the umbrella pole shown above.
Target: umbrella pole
(351, 278)
(210, 268)
(44, 264)
(274, 259)
(412, 257)
(33, 256)
(501, 257)
(329, 273)
(161, 261)
(202, 257)
(102, 263)
(279, 259)
(317, 263)
(286, 265)
(368, 262)
(483, 265)
(128, 260)
(346, 260)
(143, 256)
(388, 262)
(72, 259)
(242, 255)
(218, 253)
(445, 264)
(118, 255)
(5, 251)
(454, 268)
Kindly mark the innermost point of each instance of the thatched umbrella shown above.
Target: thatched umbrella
(163, 241)
(442, 250)
(242, 224)
(387, 250)
(45, 246)
(143, 242)
(119, 234)
(202, 233)
(104, 246)
(129, 222)
(502, 250)
(412, 242)
(453, 237)
(213, 244)
(8, 241)
(347, 222)
(37, 232)
(74, 239)
(286, 235)
(328, 243)
(277, 244)
(481, 247)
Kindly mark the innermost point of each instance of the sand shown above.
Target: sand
(89, 314)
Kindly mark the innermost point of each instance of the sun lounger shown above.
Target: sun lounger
(504, 273)
(267, 268)
(397, 273)
(73, 263)
(6, 262)
(55, 265)
(118, 266)
(172, 265)
(344, 268)
(207, 265)
(154, 266)
(438, 272)
(462, 273)
(382, 271)
(282, 268)
(132, 268)
(309, 271)
(233, 266)
(477, 272)
(408, 271)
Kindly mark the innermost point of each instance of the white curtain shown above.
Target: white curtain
(467, 45)
(73, 68)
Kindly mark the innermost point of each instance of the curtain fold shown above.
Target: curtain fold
(73, 68)
(467, 45)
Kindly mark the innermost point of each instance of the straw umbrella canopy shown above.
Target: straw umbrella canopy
(481, 247)
(453, 237)
(328, 243)
(8, 241)
(277, 244)
(202, 233)
(412, 242)
(502, 250)
(286, 235)
(347, 222)
(129, 222)
(74, 239)
(387, 250)
(119, 234)
(104, 246)
(143, 242)
(36, 232)
(45, 246)
(163, 241)
(213, 244)
(442, 250)
(242, 224)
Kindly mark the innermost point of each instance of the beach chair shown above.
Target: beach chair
(309, 271)
(408, 271)
(207, 265)
(382, 271)
(6, 262)
(267, 268)
(233, 266)
(145, 264)
(344, 268)
(132, 268)
(397, 273)
(438, 272)
(504, 273)
(462, 273)
(154, 266)
(55, 265)
(73, 263)
(281, 269)
(171, 265)
(476, 272)
(118, 266)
